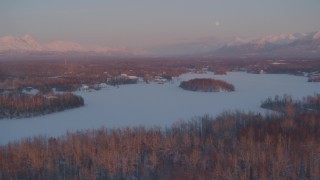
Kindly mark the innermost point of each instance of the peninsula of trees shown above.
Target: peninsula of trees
(25, 105)
(206, 85)
(286, 104)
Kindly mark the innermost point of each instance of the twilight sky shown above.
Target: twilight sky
(145, 23)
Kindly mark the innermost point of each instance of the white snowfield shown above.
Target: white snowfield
(158, 104)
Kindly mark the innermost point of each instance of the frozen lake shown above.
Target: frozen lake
(158, 105)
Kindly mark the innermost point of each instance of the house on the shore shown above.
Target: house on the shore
(160, 80)
(314, 77)
(103, 85)
(84, 87)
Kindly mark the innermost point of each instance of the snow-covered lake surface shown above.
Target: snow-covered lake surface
(158, 104)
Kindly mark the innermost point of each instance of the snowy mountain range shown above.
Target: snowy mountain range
(28, 44)
(280, 45)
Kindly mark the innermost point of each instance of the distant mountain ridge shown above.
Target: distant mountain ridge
(281, 45)
(28, 44)
(19, 44)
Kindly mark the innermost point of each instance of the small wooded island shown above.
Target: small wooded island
(206, 85)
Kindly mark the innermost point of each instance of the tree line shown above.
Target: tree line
(206, 85)
(26, 105)
(119, 81)
(287, 105)
(234, 145)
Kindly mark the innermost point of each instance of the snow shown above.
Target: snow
(6, 39)
(277, 63)
(277, 39)
(158, 105)
(27, 43)
(316, 36)
(64, 46)
(30, 91)
(32, 42)
(237, 41)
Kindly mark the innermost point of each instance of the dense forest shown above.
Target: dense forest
(206, 85)
(234, 145)
(26, 105)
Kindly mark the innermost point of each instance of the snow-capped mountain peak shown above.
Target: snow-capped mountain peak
(284, 45)
(20, 44)
(316, 36)
(281, 38)
(32, 42)
(64, 46)
(27, 44)
(28, 38)
(7, 39)
(238, 41)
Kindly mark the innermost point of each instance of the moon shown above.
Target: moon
(217, 23)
